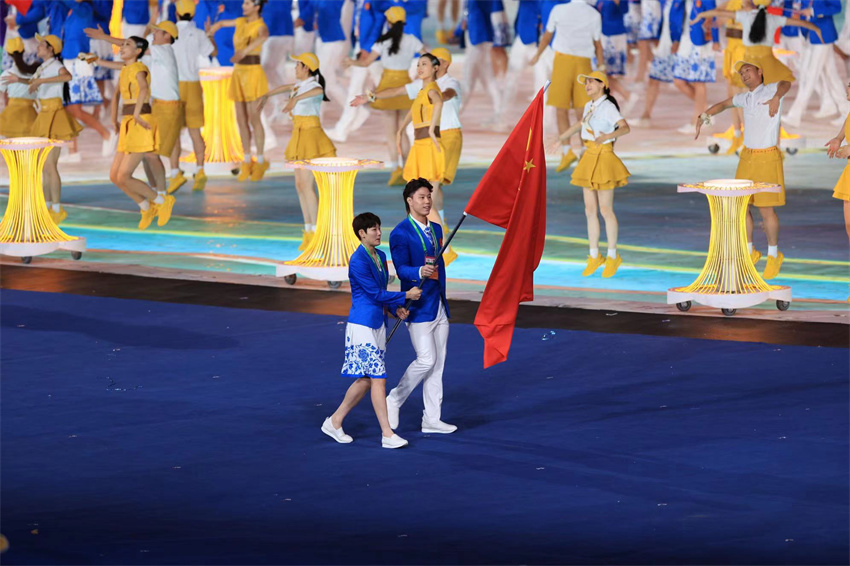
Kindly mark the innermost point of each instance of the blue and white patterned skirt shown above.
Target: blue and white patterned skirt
(632, 21)
(82, 86)
(661, 68)
(650, 20)
(102, 49)
(696, 65)
(614, 48)
(365, 349)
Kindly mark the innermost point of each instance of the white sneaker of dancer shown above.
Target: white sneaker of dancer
(336, 433)
(438, 427)
(395, 441)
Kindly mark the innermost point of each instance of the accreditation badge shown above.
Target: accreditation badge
(431, 260)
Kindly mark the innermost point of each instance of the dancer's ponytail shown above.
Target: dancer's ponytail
(758, 31)
(318, 73)
(607, 92)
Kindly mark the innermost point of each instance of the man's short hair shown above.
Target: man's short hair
(364, 221)
(414, 185)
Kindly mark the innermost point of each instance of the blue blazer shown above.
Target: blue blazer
(408, 257)
(824, 10)
(369, 293)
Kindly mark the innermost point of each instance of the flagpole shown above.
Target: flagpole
(442, 250)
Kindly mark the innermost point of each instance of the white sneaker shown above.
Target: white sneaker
(392, 413)
(687, 129)
(395, 441)
(640, 123)
(630, 104)
(337, 136)
(75, 157)
(336, 433)
(438, 427)
(826, 113)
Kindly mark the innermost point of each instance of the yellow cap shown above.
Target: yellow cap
(167, 27)
(764, 3)
(396, 14)
(14, 44)
(442, 53)
(309, 59)
(598, 75)
(52, 41)
(185, 7)
(740, 64)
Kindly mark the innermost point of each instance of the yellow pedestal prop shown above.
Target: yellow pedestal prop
(220, 132)
(326, 257)
(27, 229)
(729, 279)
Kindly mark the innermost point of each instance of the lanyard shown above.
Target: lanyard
(421, 239)
(379, 266)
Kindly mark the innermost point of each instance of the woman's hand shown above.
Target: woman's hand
(534, 60)
(237, 56)
(359, 100)
(34, 83)
(773, 106)
(602, 138)
(402, 313)
(262, 102)
(346, 63)
(843, 152)
(398, 141)
(290, 104)
(436, 142)
(832, 147)
(117, 125)
(674, 48)
(413, 294)
(554, 147)
(141, 121)
(11, 79)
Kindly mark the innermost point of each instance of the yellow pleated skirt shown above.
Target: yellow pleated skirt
(425, 161)
(308, 140)
(763, 166)
(133, 138)
(192, 96)
(734, 52)
(168, 115)
(54, 122)
(452, 146)
(17, 118)
(248, 83)
(565, 90)
(842, 187)
(393, 79)
(774, 71)
(600, 169)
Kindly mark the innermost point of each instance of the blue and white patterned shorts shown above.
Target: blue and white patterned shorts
(365, 349)
(650, 21)
(661, 68)
(697, 67)
(614, 48)
(102, 49)
(83, 90)
(632, 22)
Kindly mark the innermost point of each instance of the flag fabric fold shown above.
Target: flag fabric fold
(512, 194)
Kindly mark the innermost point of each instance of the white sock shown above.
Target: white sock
(612, 253)
(55, 207)
(159, 199)
(772, 251)
(49, 203)
(160, 194)
(246, 159)
(442, 216)
(594, 253)
(200, 170)
(312, 228)
(565, 149)
(174, 173)
(737, 133)
(750, 247)
(144, 205)
(307, 227)
(261, 159)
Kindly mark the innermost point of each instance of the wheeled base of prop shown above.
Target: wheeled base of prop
(729, 303)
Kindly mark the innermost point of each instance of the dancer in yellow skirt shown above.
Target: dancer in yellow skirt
(426, 159)
(248, 83)
(17, 118)
(599, 170)
(835, 149)
(52, 121)
(396, 50)
(138, 135)
(308, 140)
(761, 159)
(733, 52)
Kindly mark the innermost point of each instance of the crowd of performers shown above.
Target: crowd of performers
(59, 57)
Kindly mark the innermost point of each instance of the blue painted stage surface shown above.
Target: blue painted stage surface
(137, 432)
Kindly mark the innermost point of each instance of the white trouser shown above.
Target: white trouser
(817, 71)
(798, 45)
(304, 41)
(346, 17)
(130, 30)
(358, 78)
(518, 61)
(330, 55)
(477, 67)
(429, 340)
(275, 59)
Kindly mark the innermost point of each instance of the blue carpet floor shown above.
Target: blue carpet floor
(137, 432)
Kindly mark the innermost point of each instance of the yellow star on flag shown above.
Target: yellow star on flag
(528, 165)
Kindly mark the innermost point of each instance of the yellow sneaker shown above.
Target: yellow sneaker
(200, 181)
(164, 210)
(176, 182)
(306, 238)
(148, 216)
(755, 255)
(58, 217)
(259, 169)
(727, 135)
(566, 160)
(245, 172)
(773, 266)
(611, 266)
(593, 264)
(737, 143)
(397, 178)
(441, 36)
(784, 135)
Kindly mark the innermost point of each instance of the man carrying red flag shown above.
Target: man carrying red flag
(512, 194)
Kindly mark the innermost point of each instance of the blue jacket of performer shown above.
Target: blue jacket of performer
(613, 16)
(823, 10)
(479, 26)
(369, 293)
(136, 12)
(408, 246)
(278, 17)
(679, 22)
(788, 8)
(527, 23)
(55, 12)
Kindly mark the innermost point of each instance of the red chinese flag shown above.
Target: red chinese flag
(23, 6)
(512, 194)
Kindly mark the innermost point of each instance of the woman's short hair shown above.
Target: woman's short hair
(364, 221)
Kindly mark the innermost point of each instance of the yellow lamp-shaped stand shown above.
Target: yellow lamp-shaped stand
(326, 257)
(27, 229)
(221, 133)
(729, 279)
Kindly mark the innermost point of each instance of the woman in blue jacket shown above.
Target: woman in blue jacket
(365, 333)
